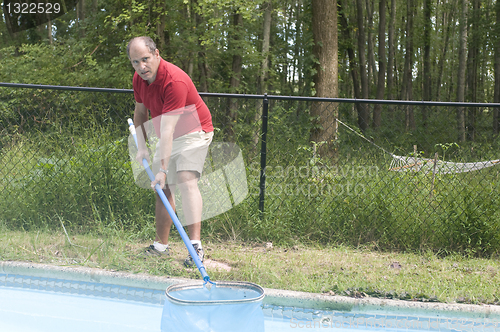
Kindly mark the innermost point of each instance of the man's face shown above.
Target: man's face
(144, 62)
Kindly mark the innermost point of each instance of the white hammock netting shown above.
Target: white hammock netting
(406, 164)
(426, 165)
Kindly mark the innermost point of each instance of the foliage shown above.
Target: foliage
(82, 184)
(202, 38)
(309, 198)
(64, 156)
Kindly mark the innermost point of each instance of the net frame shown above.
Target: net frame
(241, 285)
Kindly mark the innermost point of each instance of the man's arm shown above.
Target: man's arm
(141, 115)
(167, 128)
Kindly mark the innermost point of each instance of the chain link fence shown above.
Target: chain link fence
(390, 174)
(410, 183)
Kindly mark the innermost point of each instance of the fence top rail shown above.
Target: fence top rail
(61, 87)
(264, 96)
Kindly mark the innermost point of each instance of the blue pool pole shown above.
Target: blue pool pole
(171, 212)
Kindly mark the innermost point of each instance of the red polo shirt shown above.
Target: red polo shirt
(173, 91)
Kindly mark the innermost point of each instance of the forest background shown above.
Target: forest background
(388, 49)
(440, 50)
(416, 50)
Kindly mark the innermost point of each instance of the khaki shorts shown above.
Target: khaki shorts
(188, 154)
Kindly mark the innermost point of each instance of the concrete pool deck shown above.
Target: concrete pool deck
(274, 297)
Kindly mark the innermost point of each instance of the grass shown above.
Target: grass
(85, 177)
(82, 177)
(356, 272)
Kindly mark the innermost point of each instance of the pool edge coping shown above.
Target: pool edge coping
(275, 297)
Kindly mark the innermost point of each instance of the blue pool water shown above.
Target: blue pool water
(46, 304)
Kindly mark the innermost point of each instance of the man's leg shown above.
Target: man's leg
(162, 218)
(192, 206)
(192, 203)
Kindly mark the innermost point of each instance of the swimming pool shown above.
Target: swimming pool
(39, 302)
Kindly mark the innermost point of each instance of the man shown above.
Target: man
(184, 127)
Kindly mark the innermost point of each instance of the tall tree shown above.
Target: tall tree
(392, 50)
(377, 112)
(264, 67)
(427, 81)
(448, 26)
(236, 68)
(363, 113)
(161, 25)
(49, 31)
(372, 69)
(237, 55)
(80, 16)
(462, 54)
(266, 41)
(407, 87)
(348, 40)
(202, 55)
(326, 81)
(496, 96)
(472, 66)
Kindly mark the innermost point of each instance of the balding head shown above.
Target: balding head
(146, 41)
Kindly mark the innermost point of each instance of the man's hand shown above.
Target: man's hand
(161, 179)
(141, 154)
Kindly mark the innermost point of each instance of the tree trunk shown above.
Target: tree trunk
(496, 96)
(353, 66)
(372, 69)
(449, 22)
(462, 53)
(237, 56)
(286, 33)
(236, 68)
(203, 69)
(202, 63)
(161, 28)
(325, 35)
(363, 114)
(377, 112)
(427, 82)
(473, 52)
(298, 58)
(49, 30)
(392, 51)
(266, 38)
(346, 35)
(472, 67)
(264, 66)
(408, 66)
(80, 16)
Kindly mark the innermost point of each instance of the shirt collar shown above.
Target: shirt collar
(161, 73)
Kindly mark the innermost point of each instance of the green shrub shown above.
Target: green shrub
(88, 184)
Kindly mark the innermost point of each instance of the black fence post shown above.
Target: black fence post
(263, 152)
